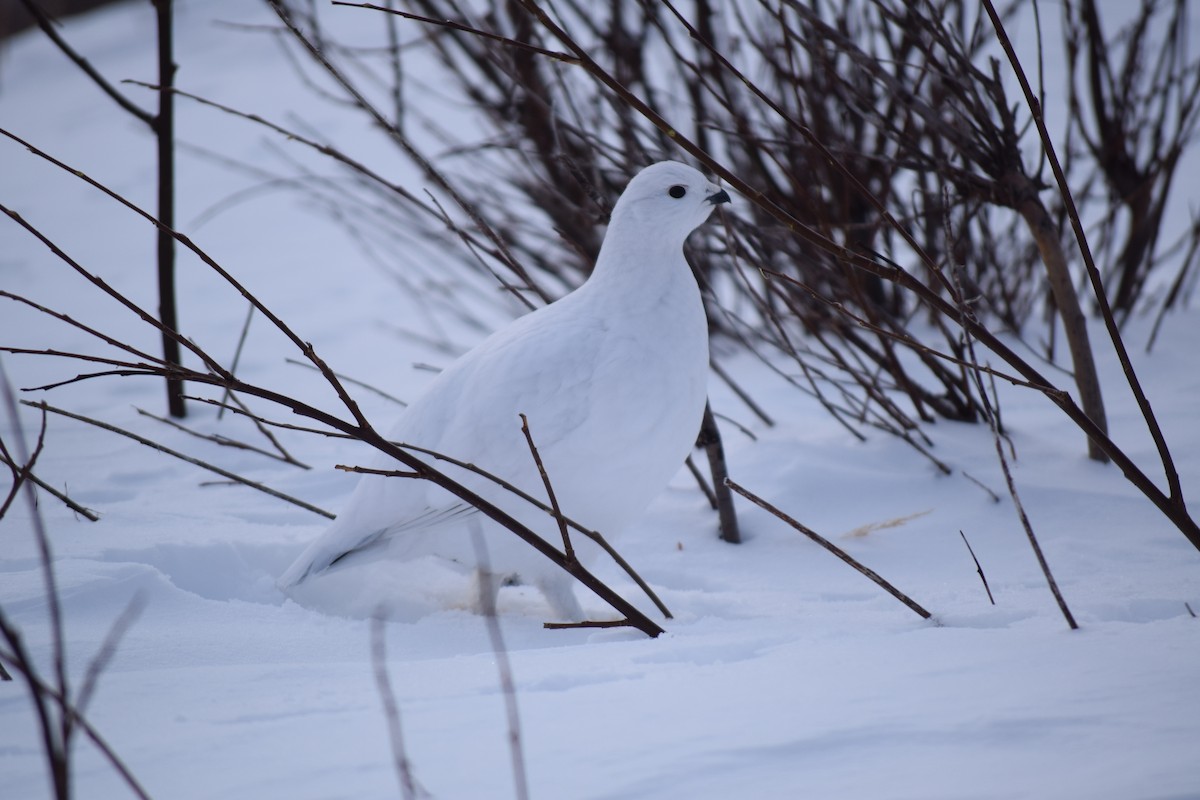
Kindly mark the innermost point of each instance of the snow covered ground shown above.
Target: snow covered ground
(784, 673)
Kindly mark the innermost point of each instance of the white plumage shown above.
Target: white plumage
(612, 379)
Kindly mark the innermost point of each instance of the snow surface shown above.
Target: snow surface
(783, 674)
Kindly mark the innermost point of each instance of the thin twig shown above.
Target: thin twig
(391, 709)
(487, 598)
(386, 473)
(831, 547)
(702, 482)
(287, 426)
(182, 457)
(47, 25)
(266, 432)
(331, 152)
(978, 568)
(93, 278)
(223, 441)
(24, 471)
(450, 24)
(995, 497)
(742, 394)
(85, 328)
(361, 101)
(568, 550)
(354, 382)
(237, 354)
(108, 649)
(305, 347)
(749, 434)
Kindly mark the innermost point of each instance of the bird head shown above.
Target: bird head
(670, 198)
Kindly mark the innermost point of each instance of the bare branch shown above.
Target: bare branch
(47, 25)
(391, 709)
(831, 547)
(503, 666)
(978, 568)
(224, 441)
(182, 457)
(450, 24)
(568, 550)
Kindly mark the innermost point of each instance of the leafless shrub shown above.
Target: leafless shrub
(902, 95)
(859, 133)
(1134, 100)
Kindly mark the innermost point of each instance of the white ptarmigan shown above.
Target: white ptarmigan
(612, 380)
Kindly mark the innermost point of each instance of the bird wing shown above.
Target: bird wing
(536, 366)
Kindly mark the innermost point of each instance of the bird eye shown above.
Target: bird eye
(677, 191)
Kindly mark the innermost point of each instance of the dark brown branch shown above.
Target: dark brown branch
(978, 568)
(710, 440)
(450, 24)
(223, 441)
(95, 279)
(741, 393)
(354, 382)
(164, 132)
(86, 513)
(182, 457)
(595, 536)
(556, 512)
(588, 623)
(304, 347)
(369, 436)
(47, 26)
(85, 328)
(386, 473)
(265, 431)
(833, 548)
(242, 410)
(21, 472)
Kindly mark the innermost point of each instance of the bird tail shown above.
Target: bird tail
(300, 569)
(321, 556)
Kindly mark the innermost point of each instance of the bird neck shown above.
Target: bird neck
(640, 262)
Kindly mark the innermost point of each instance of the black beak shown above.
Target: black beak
(718, 198)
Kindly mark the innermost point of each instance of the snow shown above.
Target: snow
(783, 674)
